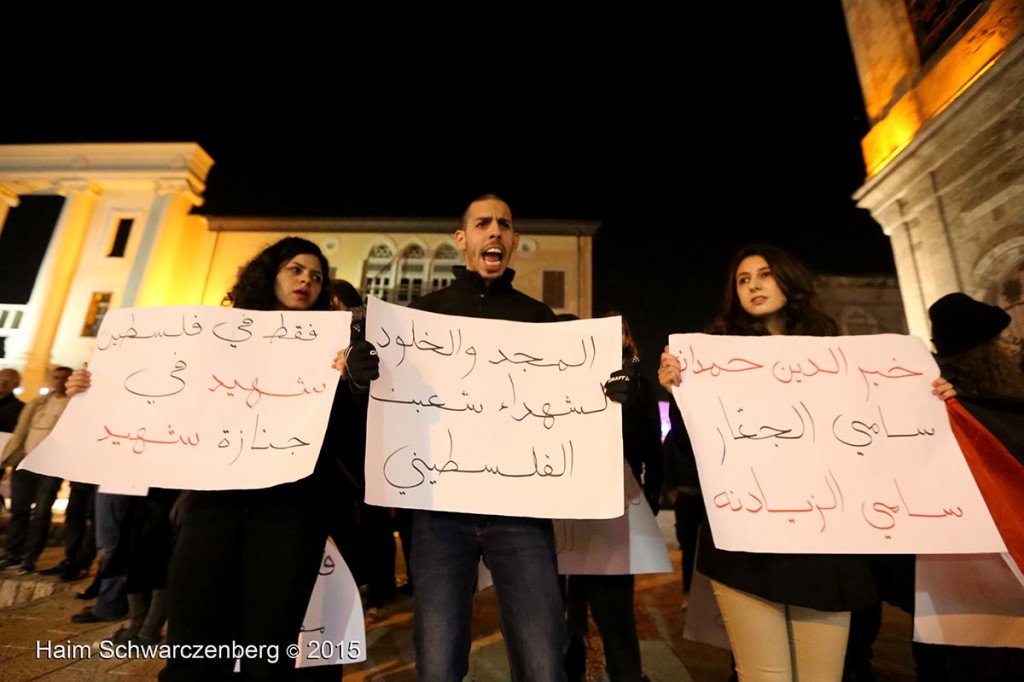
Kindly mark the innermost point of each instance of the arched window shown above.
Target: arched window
(1007, 292)
(379, 277)
(441, 265)
(412, 271)
(856, 320)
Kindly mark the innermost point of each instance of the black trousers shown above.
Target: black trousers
(32, 497)
(610, 598)
(377, 544)
(79, 526)
(242, 572)
(689, 511)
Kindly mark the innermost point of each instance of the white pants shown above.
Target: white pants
(782, 643)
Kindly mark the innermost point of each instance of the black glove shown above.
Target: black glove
(363, 363)
(622, 383)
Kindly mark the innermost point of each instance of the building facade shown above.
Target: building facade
(86, 228)
(863, 304)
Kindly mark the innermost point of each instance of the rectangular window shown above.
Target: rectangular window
(124, 230)
(554, 288)
(379, 287)
(403, 291)
(98, 307)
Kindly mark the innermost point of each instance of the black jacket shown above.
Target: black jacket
(1003, 417)
(10, 408)
(471, 296)
(641, 439)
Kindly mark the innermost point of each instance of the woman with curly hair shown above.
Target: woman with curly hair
(245, 561)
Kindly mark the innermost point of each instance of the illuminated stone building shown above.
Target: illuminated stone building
(125, 231)
(943, 85)
(867, 304)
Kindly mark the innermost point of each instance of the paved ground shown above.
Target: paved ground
(40, 610)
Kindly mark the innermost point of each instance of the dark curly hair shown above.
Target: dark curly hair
(802, 312)
(254, 289)
(985, 369)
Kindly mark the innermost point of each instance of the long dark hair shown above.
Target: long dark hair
(629, 348)
(985, 370)
(802, 312)
(254, 289)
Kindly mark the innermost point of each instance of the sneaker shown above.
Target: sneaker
(8, 562)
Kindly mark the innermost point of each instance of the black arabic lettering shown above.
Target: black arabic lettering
(888, 434)
(140, 389)
(548, 416)
(236, 334)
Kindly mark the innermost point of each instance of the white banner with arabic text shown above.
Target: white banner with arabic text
(827, 445)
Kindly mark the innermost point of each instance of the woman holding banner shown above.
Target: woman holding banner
(246, 561)
(787, 615)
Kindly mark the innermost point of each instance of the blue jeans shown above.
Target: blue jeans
(520, 552)
(111, 512)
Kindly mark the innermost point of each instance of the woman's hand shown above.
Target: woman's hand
(340, 364)
(940, 387)
(670, 372)
(79, 381)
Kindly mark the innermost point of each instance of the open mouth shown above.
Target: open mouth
(492, 257)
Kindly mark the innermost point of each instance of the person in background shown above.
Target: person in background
(787, 616)
(10, 404)
(114, 512)
(976, 352)
(979, 356)
(32, 494)
(369, 549)
(345, 296)
(681, 492)
(610, 597)
(79, 534)
(150, 540)
(10, 408)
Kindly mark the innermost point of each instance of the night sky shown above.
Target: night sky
(685, 140)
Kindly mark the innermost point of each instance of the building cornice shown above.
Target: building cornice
(526, 226)
(39, 168)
